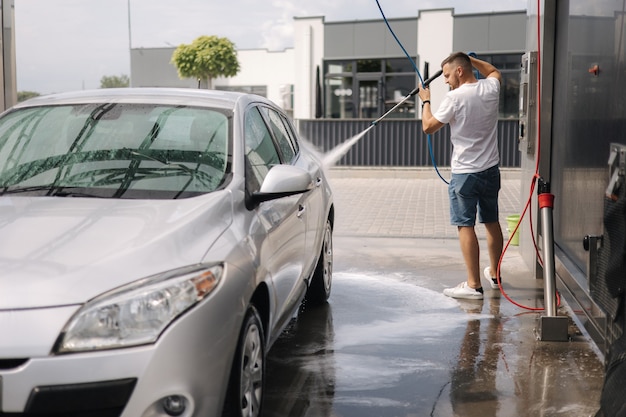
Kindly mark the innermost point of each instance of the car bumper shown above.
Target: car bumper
(101, 399)
(191, 359)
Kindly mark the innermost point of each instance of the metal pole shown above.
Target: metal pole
(130, 44)
(130, 49)
(8, 86)
(553, 327)
(546, 203)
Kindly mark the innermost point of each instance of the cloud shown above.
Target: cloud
(277, 33)
(88, 39)
(71, 50)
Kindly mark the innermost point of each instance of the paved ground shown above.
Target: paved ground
(401, 348)
(390, 344)
(405, 202)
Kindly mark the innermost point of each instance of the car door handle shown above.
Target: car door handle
(301, 210)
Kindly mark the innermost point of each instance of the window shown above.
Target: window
(117, 150)
(339, 103)
(261, 153)
(369, 65)
(397, 87)
(401, 65)
(367, 88)
(510, 67)
(284, 140)
(292, 135)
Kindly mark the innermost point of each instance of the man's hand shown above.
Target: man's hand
(424, 94)
(429, 123)
(486, 69)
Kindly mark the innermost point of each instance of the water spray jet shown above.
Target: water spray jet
(335, 154)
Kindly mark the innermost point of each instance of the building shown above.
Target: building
(356, 69)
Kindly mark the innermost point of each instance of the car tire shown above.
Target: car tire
(321, 282)
(245, 391)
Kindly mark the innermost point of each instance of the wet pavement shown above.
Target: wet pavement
(390, 344)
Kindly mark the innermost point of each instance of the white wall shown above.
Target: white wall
(434, 43)
(260, 67)
(152, 67)
(309, 47)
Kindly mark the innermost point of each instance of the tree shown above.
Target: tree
(206, 58)
(25, 95)
(114, 81)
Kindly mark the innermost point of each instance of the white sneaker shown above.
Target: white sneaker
(492, 280)
(464, 291)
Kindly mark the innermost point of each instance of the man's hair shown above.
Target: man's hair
(459, 58)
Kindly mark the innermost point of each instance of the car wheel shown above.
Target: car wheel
(245, 391)
(321, 282)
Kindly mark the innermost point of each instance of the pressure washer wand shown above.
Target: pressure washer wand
(408, 96)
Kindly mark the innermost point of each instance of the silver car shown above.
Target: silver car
(154, 243)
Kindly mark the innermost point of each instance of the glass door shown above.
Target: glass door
(369, 98)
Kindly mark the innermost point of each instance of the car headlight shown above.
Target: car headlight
(136, 314)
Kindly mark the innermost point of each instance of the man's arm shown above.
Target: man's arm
(486, 69)
(429, 123)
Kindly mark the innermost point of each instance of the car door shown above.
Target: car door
(312, 201)
(283, 220)
(315, 200)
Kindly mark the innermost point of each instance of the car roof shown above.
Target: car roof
(167, 96)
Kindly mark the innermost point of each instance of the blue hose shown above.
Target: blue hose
(432, 158)
(430, 146)
(400, 43)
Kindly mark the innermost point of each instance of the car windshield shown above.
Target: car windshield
(114, 150)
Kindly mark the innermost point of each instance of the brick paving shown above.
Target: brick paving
(405, 203)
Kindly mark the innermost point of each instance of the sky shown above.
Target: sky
(64, 45)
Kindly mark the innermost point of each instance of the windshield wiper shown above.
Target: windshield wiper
(75, 192)
(18, 190)
(134, 167)
(160, 160)
(51, 191)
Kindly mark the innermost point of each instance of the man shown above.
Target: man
(471, 109)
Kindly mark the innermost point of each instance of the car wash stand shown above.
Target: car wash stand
(551, 326)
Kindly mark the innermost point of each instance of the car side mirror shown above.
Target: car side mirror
(282, 181)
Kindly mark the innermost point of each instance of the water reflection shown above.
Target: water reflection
(393, 348)
(473, 390)
(559, 379)
(301, 367)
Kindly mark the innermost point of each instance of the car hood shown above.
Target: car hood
(60, 251)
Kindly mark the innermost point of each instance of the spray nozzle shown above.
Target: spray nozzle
(427, 82)
(433, 78)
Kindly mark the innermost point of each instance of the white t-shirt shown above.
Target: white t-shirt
(472, 112)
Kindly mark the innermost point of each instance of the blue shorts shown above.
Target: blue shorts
(469, 192)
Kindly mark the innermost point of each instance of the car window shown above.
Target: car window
(292, 136)
(281, 134)
(115, 150)
(261, 154)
